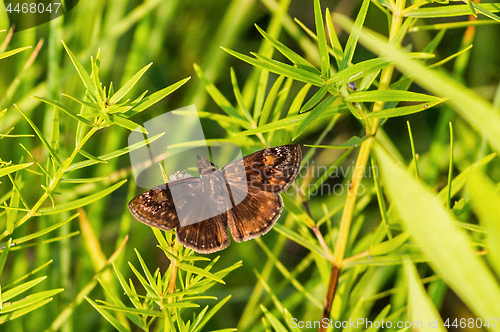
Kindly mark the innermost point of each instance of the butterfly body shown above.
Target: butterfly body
(243, 195)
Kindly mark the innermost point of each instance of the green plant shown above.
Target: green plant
(419, 205)
(414, 211)
(169, 295)
(99, 109)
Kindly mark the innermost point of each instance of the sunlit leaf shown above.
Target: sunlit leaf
(81, 201)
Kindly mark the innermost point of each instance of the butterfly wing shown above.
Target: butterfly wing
(204, 226)
(208, 199)
(207, 236)
(255, 215)
(197, 207)
(156, 207)
(254, 183)
(272, 169)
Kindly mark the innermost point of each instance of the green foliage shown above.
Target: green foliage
(105, 112)
(169, 295)
(411, 198)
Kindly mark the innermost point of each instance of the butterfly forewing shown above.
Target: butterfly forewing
(272, 169)
(155, 208)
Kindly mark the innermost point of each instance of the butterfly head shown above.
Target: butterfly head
(205, 167)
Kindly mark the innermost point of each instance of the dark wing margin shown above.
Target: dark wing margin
(206, 236)
(255, 215)
(156, 207)
(272, 170)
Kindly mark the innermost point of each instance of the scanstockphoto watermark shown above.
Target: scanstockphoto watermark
(312, 171)
(361, 323)
(332, 177)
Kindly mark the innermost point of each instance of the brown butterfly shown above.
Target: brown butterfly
(244, 195)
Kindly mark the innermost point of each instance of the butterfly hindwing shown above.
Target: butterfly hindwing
(255, 215)
(206, 236)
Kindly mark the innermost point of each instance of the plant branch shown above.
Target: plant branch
(357, 177)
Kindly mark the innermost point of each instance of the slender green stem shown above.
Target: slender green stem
(350, 203)
(322, 242)
(450, 169)
(380, 198)
(386, 75)
(173, 278)
(413, 150)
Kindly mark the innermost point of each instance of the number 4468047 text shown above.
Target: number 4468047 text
(470, 323)
(33, 8)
